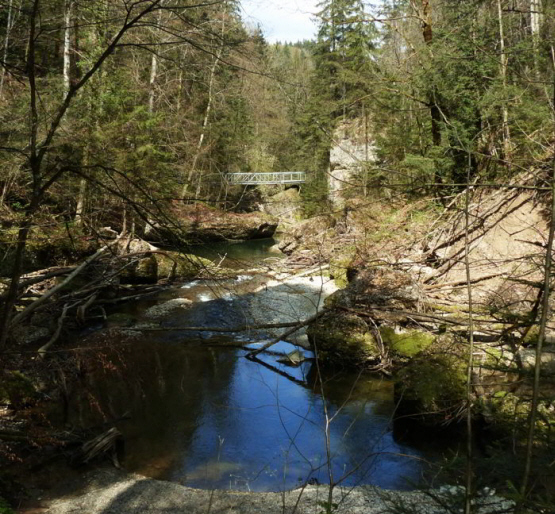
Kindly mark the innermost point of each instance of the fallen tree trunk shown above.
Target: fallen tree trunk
(243, 328)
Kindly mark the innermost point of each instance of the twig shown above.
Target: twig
(286, 334)
(43, 349)
(82, 309)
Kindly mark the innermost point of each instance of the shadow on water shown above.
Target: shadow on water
(207, 417)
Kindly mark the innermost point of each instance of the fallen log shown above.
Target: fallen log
(100, 445)
(243, 328)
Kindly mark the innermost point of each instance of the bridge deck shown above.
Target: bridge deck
(281, 177)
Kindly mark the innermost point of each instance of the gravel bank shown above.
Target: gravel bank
(115, 492)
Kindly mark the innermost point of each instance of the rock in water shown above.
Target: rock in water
(294, 358)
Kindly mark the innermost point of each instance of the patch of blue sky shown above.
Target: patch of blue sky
(284, 20)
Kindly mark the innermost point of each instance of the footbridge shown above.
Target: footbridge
(278, 177)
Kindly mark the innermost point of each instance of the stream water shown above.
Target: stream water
(194, 410)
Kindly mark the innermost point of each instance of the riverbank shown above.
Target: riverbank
(108, 491)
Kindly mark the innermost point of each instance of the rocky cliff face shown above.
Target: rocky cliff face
(349, 155)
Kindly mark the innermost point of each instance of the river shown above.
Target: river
(192, 409)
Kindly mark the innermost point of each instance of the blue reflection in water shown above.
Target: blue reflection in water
(268, 433)
(208, 417)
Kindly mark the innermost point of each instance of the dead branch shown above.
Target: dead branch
(37, 303)
(287, 333)
(43, 349)
(252, 357)
(99, 445)
(82, 309)
(462, 282)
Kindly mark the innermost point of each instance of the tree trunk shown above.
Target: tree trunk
(33, 167)
(80, 209)
(503, 70)
(153, 74)
(68, 15)
(535, 26)
(535, 20)
(427, 33)
(9, 23)
(366, 152)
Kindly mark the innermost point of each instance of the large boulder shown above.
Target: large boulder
(431, 388)
(507, 415)
(193, 224)
(179, 266)
(343, 338)
(164, 309)
(142, 271)
(16, 389)
(405, 344)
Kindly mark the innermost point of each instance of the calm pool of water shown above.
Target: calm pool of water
(203, 415)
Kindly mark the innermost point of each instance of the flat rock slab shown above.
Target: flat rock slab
(116, 492)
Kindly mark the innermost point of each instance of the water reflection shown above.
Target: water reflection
(208, 417)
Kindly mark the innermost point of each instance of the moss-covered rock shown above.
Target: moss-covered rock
(431, 388)
(46, 246)
(16, 389)
(406, 344)
(285, 205)
(339, 270)
(144, 271)
(343, 338)
(174, 265)
(507, 415)
(339, 298)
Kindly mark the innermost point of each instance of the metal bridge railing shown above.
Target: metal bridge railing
(281, 177)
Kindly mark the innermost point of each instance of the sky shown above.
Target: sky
(282, 20)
